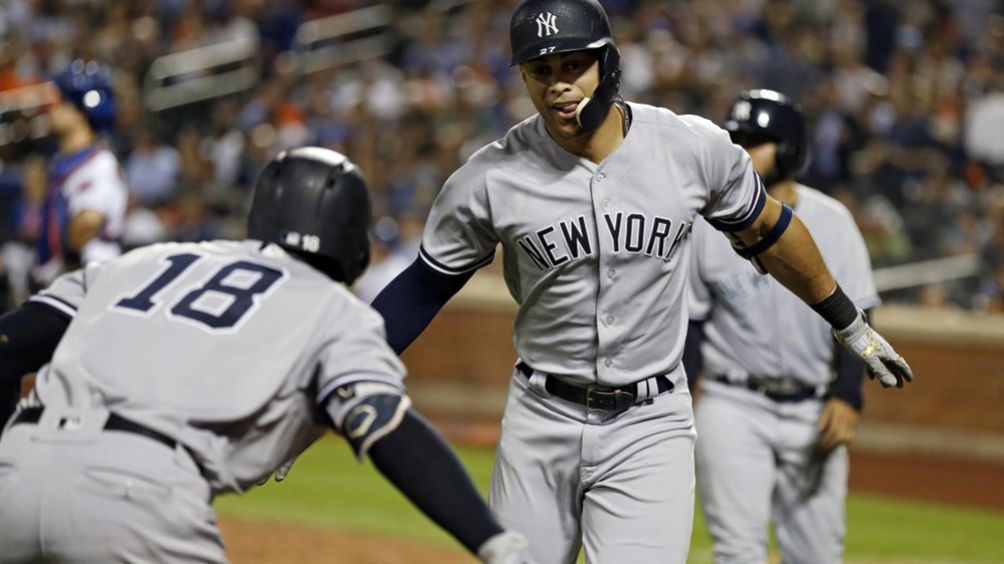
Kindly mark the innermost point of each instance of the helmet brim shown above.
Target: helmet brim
(540, 49)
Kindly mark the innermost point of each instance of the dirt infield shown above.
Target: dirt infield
(267, 543)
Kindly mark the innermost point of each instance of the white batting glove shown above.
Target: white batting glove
(883, 362)
(508, 547)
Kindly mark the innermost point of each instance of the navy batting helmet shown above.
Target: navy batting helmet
(314, 202)
(766, 115)
(88, 86)
(544, 27)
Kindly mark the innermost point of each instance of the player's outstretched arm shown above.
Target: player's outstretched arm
(417, 460)
(376, 419)
(412, 299)
(791, 256)
(28, 337)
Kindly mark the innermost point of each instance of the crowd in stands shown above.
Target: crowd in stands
(905, 102)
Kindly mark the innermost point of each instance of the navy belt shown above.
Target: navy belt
(782, 391)
(597, 397)
(114, 423)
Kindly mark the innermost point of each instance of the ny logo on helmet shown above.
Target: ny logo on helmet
(546, 24)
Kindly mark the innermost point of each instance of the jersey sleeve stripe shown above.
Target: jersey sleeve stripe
(328, 388)
(756, 206)
(63, 306)
(451, 271)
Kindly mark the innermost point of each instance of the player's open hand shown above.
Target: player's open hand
(882, 360)
(838, 424)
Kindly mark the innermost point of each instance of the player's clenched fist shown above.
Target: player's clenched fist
(882, 360)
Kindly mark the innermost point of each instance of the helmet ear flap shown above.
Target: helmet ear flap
(789, 158)
(592, 113)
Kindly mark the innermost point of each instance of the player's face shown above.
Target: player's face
(763, 156)
(62, 117)
(761, 149)
(557, 83)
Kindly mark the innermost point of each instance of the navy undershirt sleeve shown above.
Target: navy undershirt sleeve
(28, 337)
(692, 359)
(411, 300)
(418, 461)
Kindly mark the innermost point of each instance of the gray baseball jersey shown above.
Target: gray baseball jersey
(797, 343)
(595, 254)
(223, 346)
(756, 326)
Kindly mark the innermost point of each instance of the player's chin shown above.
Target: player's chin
(565, 126)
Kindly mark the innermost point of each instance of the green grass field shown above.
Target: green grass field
(328, 489)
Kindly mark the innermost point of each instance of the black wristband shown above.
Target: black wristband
(837, 309)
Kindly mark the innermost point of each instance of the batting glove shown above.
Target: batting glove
(280, 473)
(508, 547)
(883, 362)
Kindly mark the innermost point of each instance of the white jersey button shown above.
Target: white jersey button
(604, 203)
(610, 320)
(600, 176)
(608, 363)
(610, 273)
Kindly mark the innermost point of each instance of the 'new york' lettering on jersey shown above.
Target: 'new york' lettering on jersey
(552, 246)
(589, 248)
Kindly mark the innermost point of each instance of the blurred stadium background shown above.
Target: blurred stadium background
(906, 107)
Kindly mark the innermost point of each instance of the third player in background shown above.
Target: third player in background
(779, 404)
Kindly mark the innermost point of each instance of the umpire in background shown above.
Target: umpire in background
(780, 399)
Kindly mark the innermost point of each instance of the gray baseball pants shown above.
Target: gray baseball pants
(756, 464)
(622, 484)
(72, 492)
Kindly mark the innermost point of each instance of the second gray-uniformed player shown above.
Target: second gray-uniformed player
(191, 370)
(773, 415)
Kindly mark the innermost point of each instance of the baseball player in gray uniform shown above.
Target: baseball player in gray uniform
(592, 200)
(189, 370)
(778, 404)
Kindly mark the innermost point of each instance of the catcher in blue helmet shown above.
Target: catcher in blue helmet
(84, 211)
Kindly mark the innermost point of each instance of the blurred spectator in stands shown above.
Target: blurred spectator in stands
(395, 245)
(152, 170)
(995, 292)
(226, 145)
(985, 127)
(17, 251)
(905, 99)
